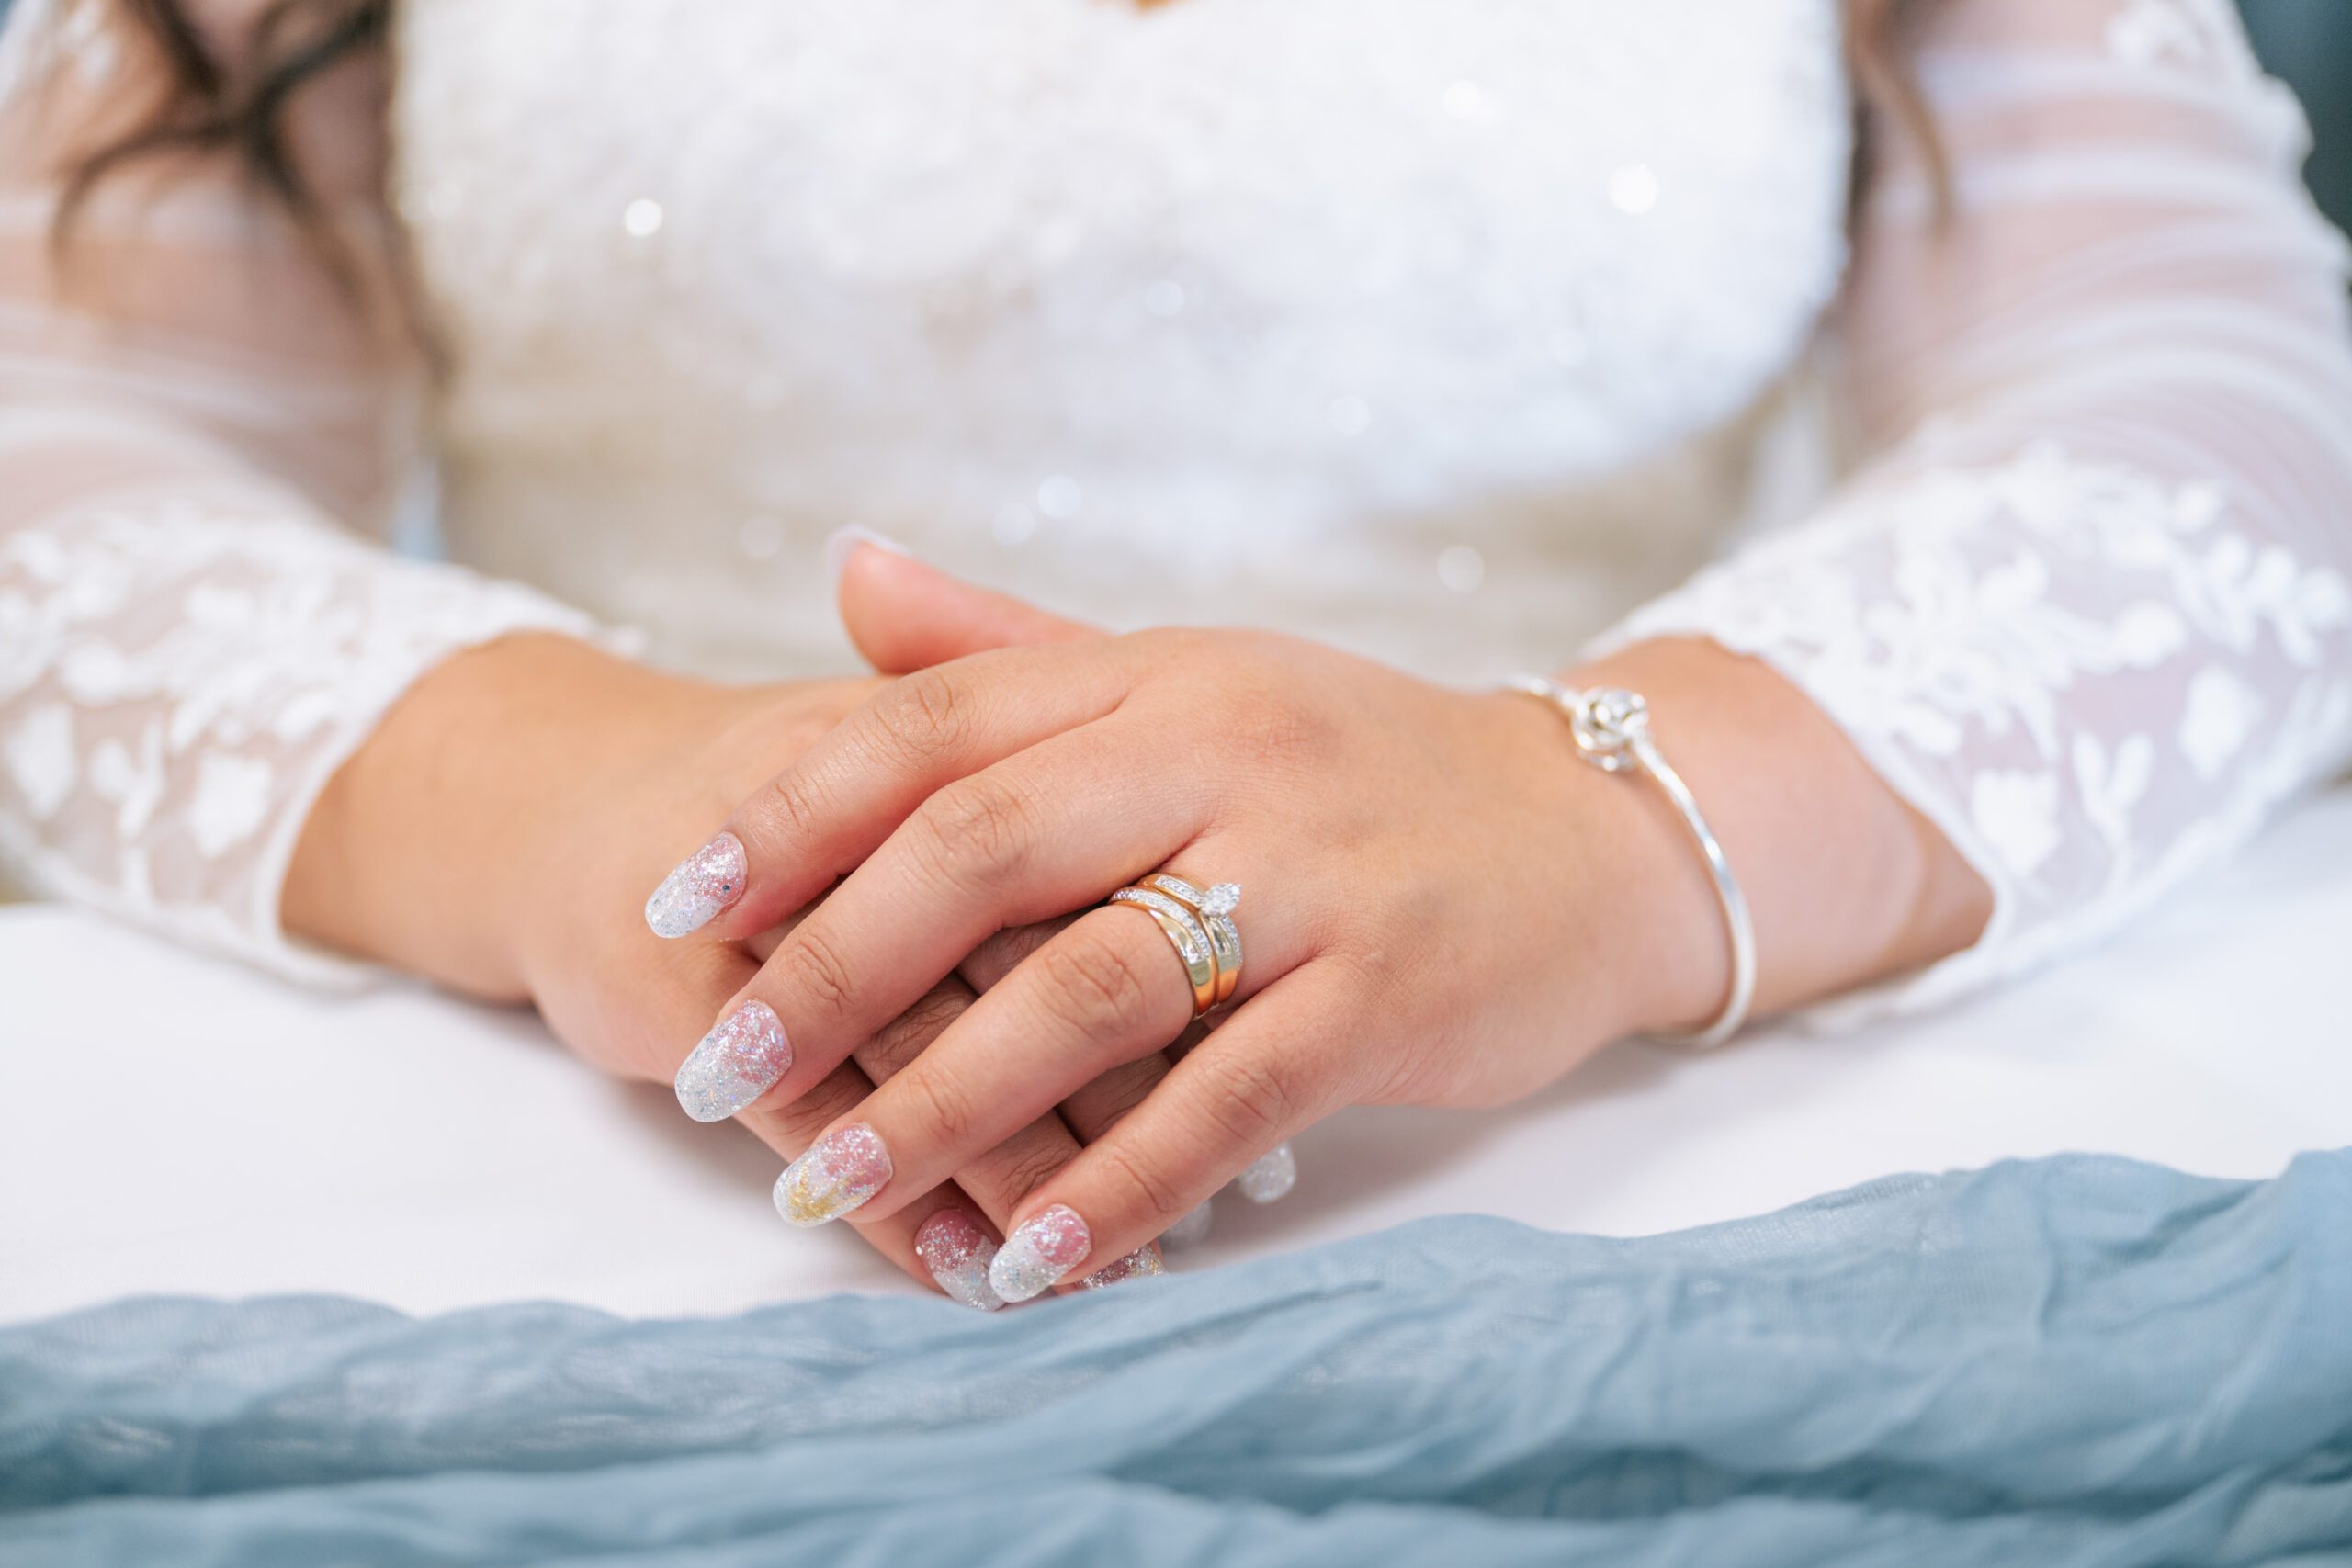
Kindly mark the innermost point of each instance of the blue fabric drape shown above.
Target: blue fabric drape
(2068, 1361)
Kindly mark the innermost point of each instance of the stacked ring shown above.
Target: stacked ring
(1200, 927)
(1215, 908)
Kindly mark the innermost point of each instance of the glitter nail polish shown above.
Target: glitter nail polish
(957, 1252)
(1039, 1253)
(1192, 1230)
(705, 883)
(737, 1062)
(841, 1170)
(1139, 1264)
(1270, 1176)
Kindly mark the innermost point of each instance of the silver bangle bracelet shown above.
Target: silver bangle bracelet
(1613, 733)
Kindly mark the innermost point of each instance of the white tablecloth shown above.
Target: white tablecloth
(170, 1124)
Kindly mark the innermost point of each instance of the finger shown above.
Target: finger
(955, 1251)
(726, 1073)
(1054, 828)
(947, 1215)
(1279, 1066)
(1108, 991)
(1093, 1108)
(904, 615)
(824, 815)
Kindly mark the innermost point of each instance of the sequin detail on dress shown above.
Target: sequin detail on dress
(705, 883)
(957, 1253)
(839, 1172)
(1040, 1253)
(737, 1062)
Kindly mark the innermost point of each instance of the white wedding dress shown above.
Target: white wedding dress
(1449, 332)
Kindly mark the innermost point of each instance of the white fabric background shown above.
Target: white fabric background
(170, 1122)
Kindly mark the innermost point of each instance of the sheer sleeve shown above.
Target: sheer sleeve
(199, 435)
(2085, 602)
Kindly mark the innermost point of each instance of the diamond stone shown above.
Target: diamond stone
(1615, 712)
(1222, 900)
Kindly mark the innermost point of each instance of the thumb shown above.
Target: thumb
(904, 616)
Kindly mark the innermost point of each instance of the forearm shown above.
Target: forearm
(1845, 881)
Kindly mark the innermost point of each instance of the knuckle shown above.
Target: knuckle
(1251, 1099)
(905, 1037)
(980, 827)
(945, 1110)
(816, 975)
(1162, 1201)
(1098, 1106)
(794, 804)
(1098, 986)
(1023, 1164)
(926, 714)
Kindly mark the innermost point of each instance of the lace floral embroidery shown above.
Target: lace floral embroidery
(2088, 678)
(178, 679)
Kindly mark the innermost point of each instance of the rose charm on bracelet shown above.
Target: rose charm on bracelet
(1612, 728)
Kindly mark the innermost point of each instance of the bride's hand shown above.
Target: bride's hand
(497, 832)
(1443, 905)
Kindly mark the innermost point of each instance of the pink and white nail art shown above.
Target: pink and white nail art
(1039, 1253)
(735, 1063)
(957, 1253)
(841, 1170)
(705, 883)
(1140, 1264)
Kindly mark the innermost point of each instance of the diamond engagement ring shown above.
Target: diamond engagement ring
(1199, 925)
(1611, 729)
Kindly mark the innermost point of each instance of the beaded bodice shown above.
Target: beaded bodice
(1330, 314)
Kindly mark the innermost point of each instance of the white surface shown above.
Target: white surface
(170, 1124)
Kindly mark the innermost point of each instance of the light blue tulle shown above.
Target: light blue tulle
(2068, 1361)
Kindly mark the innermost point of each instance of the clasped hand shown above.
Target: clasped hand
(1440, 907)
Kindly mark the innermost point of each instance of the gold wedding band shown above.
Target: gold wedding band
(1199, 925)
(1225, 938)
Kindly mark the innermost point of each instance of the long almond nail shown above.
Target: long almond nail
(1039, 1253)
(1270, 1176)
(1142, 1263)
(705, 883)
(957, 1252)
(841, 1170)
(735, 1063)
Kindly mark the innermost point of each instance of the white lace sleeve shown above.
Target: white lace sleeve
(2087, 608)
(196, 434)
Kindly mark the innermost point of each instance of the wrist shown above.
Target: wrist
(441, 846)
(1846, 883)
(1628, 902)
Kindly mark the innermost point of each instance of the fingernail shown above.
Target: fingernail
(1039, 1253)
(1190, 1231)
(842, 543)
(1136, 1265)
(1270, 1176)
(957, 1252)
(841, 1170)
(735, 1063)
(705, 883)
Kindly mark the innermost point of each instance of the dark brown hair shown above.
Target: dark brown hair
(208, 106)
